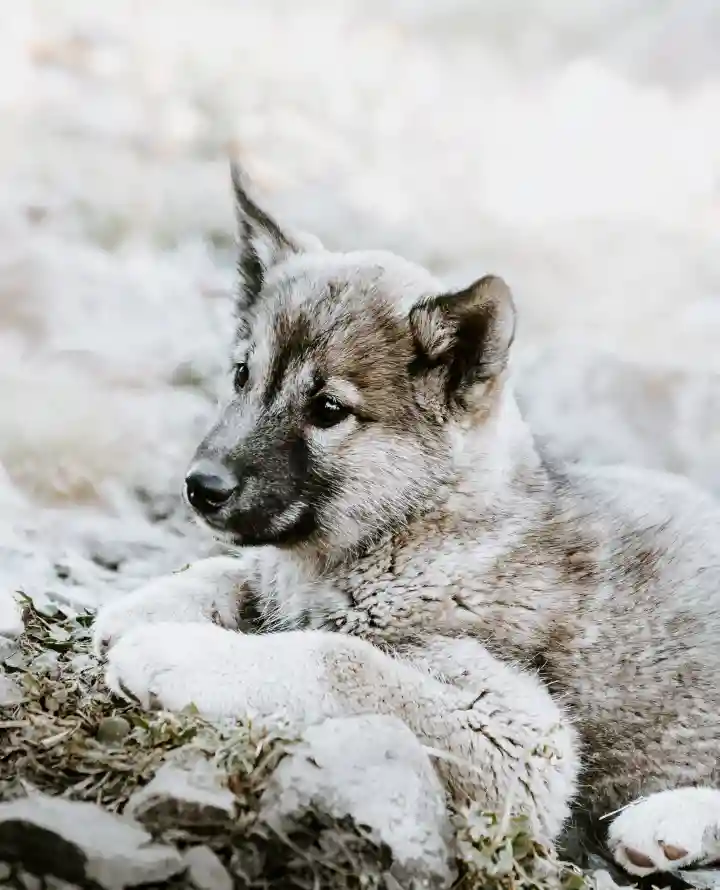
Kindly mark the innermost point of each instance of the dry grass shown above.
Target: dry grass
(69, 737)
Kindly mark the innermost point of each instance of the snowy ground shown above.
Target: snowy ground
(573, 148)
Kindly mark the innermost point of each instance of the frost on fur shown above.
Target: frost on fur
(185, 779)
(406, 547)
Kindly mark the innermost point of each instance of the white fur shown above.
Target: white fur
(298, 678)
(202, 592)
(224, 673)
(467, 571)
(687, 819)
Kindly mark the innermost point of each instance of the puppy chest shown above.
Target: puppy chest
(396, 600)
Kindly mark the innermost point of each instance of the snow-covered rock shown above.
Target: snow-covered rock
(82, 844)
(374, 770)
(188, 794)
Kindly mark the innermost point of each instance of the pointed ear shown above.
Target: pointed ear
(262, 244)
(467, 335)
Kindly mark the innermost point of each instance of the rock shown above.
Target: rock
(11, 623)
(113, 730)
(373, 769)
(183, 794)
(30, 882)
(81, 844)
(47, 663)
(704, 879)
(10, 692)
(81, 662)
(602, 880)
(205, 869)
(55, 884)
(23, 880)
(11, 615)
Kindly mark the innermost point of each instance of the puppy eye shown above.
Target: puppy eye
(241, 375)
(326, 411)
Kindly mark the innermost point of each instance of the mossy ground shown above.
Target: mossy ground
(69, 736)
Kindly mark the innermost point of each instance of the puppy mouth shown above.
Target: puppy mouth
(254, 528)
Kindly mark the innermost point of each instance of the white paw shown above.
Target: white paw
(223, 673)
(172, 665)
(203, 592)
(667, 831)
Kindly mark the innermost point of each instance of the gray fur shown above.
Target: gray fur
(428, 524)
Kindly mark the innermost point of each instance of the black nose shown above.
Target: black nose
(208, 488)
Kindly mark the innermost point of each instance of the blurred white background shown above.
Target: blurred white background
(573, 148)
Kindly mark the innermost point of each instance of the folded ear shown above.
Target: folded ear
(262, 243)
(466, 335)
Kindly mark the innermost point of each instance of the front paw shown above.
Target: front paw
(116, 619)
(149, 604)
(172, 665)
(204, 592)
(667, 831)
(223, 673)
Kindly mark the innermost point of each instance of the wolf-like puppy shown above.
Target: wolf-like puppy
(404, 547)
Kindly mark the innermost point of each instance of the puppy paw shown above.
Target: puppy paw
(172, 665)
(667, 831)
(204, 592)
(223, 673)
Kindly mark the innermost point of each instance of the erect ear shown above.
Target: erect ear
(262, 244)
(466, 335)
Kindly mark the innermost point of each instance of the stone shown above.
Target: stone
(11, 623)
(81, 662)
(11, 615)
(112, 730)
(702, 878)
(10, 692)
(81, 844)
(373, 769)
(47, 664)
(183, 794)
(601, 879)
(30, 882)
(205, 869)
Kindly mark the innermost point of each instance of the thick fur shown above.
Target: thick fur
(421, 556)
